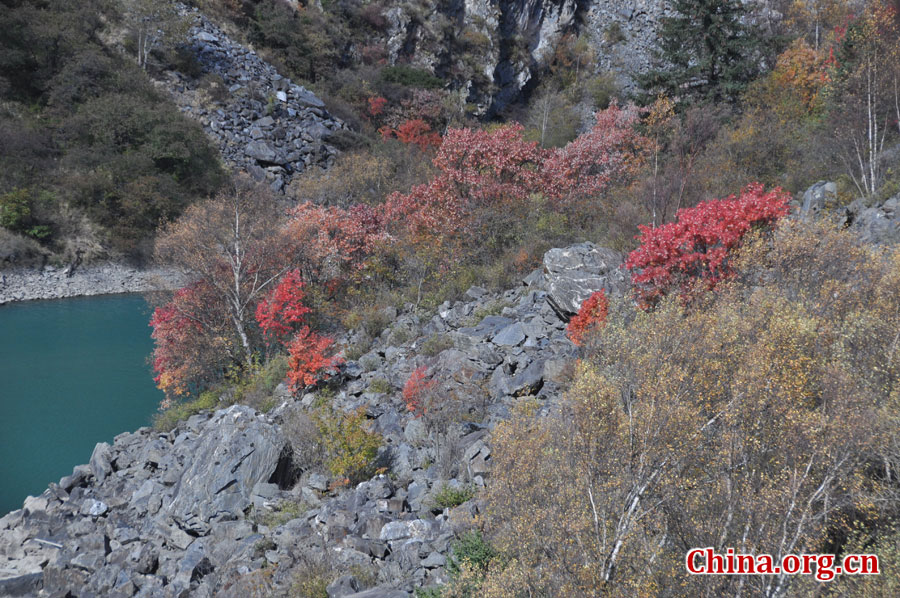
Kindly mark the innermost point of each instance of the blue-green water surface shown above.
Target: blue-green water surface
(73, 372)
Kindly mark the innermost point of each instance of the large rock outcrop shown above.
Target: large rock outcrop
(576, 272)
(511, 41)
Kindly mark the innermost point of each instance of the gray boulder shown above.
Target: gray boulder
(574, 273)
(262, 151)
(511, 336)
(817, 197)
(878, 225)
(307, 98)
(239, 450)
(345, 585)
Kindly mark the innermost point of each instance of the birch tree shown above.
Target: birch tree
(866, 90)
(153, 24)
(234, 244)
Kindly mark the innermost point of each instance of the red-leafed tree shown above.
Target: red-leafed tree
(416, 389)
(591, 316)
(375, 105)
(281, 311)
(192, 344)
(610, 151)
(234, 245)
(308, 359)
(282, 318)
(415, 131)
(697, 245)
(333, 241)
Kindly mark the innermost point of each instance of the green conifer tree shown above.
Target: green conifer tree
(708, 51)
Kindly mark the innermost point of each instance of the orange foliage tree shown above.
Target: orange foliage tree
(308, 362)
(415, 390)
(592, 315)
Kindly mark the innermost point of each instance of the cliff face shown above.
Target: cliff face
(504, 44)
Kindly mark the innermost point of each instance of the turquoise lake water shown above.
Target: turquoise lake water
(73, 372)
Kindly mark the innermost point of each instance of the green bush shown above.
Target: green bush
(399, 335)
(168, 419)
(15, 209)
(350, 448)
(16, 213)
(448, 497)
(467, 566)
(408, 76)
(370, 319)
(380, 386)
(285, 511)
(436, 343)
(257, 387)
(357, 350)
(470, 549)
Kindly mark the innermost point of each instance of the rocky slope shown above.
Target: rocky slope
(201, 510)
(260, 121)
(218, 506)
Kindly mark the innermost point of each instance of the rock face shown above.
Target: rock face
(508, 42)
(880, 224)
(818, 197)
(624, 33)
(260, 121)
(503, 45)
(874, 224)
(574, 273)
(225, 465)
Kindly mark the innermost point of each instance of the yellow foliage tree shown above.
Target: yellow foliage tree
(759, 419)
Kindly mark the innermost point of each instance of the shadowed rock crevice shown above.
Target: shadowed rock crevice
(286, 474)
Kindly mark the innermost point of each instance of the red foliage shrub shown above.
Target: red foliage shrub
(495, 170)
(307, 361)
(376, 105)
(333, 239)
(190, 344)
(414, 391)
(418, 132)
(697, 244)
(478, 171)
(591, 162)
(592, 314)
(279, 311)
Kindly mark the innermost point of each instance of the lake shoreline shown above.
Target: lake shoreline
(29, 284)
